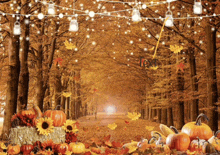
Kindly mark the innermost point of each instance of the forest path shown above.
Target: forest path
(89, 127)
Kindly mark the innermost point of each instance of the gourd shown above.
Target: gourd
(58, 117)
(37, 111)
(208, 148)
(179, 141)
(165, 130)
(27, 112)
(196, 145)
(198, 129)
(77, 147)
(214, 138)
(26, 149)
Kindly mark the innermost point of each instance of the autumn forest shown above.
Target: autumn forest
(159, 59)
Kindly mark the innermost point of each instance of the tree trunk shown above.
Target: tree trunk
(150, 113)
(154, 115)
(12, 83)
(24, 73)
(159, 115)
(194, 108)
(68, 105)
(180, 104)
(58, 87)
(212, 90)
(170, 116)
(164, 116)
(147, 112)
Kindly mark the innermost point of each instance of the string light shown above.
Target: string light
(73, 25)
(51, 9)
(136, 17)
(17, 28)
(91, 14)
(197, 7)
(40, 16)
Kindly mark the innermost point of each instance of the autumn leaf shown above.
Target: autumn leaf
(154, 68)
(107, 138)
(149, 128)
(112, 126)
(132, 148)
(125, 128)
(151, 49)
(85, 129)
(108, 143)
(59, 61)
(180, 66)
(97, 128)
(67, 94)
(117, 144)
(69, 45)
(134, 115)
(127, 122)
(176, 49)
(68, 153)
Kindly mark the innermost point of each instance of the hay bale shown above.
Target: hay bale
(29, 135)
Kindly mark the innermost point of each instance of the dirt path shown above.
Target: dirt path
(91, 128)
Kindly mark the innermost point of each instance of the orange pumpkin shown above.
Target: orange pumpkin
(13, 149)
(179, 141)
(198, 129)
(62, 148)
(196, 145)
(26, 149)
(58, 117)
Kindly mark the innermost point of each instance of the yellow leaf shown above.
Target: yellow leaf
(154, 68)
(68, 153)
(151, 49)
(176, 49)
(134, 116)
(112, 126)
(132, 148)
(149, 128)
(69, 45)
(68, 94)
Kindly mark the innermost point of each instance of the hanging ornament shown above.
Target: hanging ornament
(17, 28)
(51, 9)
(136, 17)
(169, 17)
(197, 7)
(73, 25)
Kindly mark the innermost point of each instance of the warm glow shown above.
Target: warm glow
(110, 110)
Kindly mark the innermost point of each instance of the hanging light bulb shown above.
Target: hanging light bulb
(17, 28)
(169, 17)
(51, 9)
(73, 25)
(197, 7)
(136, 17)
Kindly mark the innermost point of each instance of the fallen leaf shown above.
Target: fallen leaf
(112, 126)
(176, 49)
(69, 45)
(149, 128)
(127, 122)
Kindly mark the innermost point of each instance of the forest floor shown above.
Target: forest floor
(126, 130)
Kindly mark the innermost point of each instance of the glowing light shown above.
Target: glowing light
(73, 25)
(51, 9)
(40, 16)
(91, 14)
(136, 17)
(110, 110)
(17, 28)
(169, 22)
(197, 8)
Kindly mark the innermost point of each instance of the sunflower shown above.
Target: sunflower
(48, 145)
(45, 126)
(70, 126)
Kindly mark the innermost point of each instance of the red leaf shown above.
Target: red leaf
(180, 66)
(59, 61)
(117, 144)
(85, 129)
(127, 122)
(107, 138)
(87, 153)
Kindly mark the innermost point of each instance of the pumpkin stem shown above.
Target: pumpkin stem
(216, 134)
(198, 119)
(175, 130)
(153, 137)
(57, 106)
(158, 134)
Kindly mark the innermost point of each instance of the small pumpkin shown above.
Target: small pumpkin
(179, 141)
(58, 117)
(196, 145)
(26, 149)
(62, 148)
(214, 138)
(27, 112)
(208, 148)
(198, 129)
(13, 149)
(77, 147)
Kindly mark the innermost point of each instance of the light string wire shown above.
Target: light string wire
(109, 13)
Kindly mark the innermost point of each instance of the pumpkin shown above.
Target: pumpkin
(26, 149)
(179, 141)
(77, 147)
(198, 129)
(208, 148)
(27, 112)
(196, 145)
(162, 148)
(13, 149)
(62, 148)
(58, 117)
(214, 138)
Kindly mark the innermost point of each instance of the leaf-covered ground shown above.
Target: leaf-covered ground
(126, 130)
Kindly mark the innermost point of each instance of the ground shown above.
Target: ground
(126, 129)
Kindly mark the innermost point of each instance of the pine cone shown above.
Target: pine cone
(15, 123)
